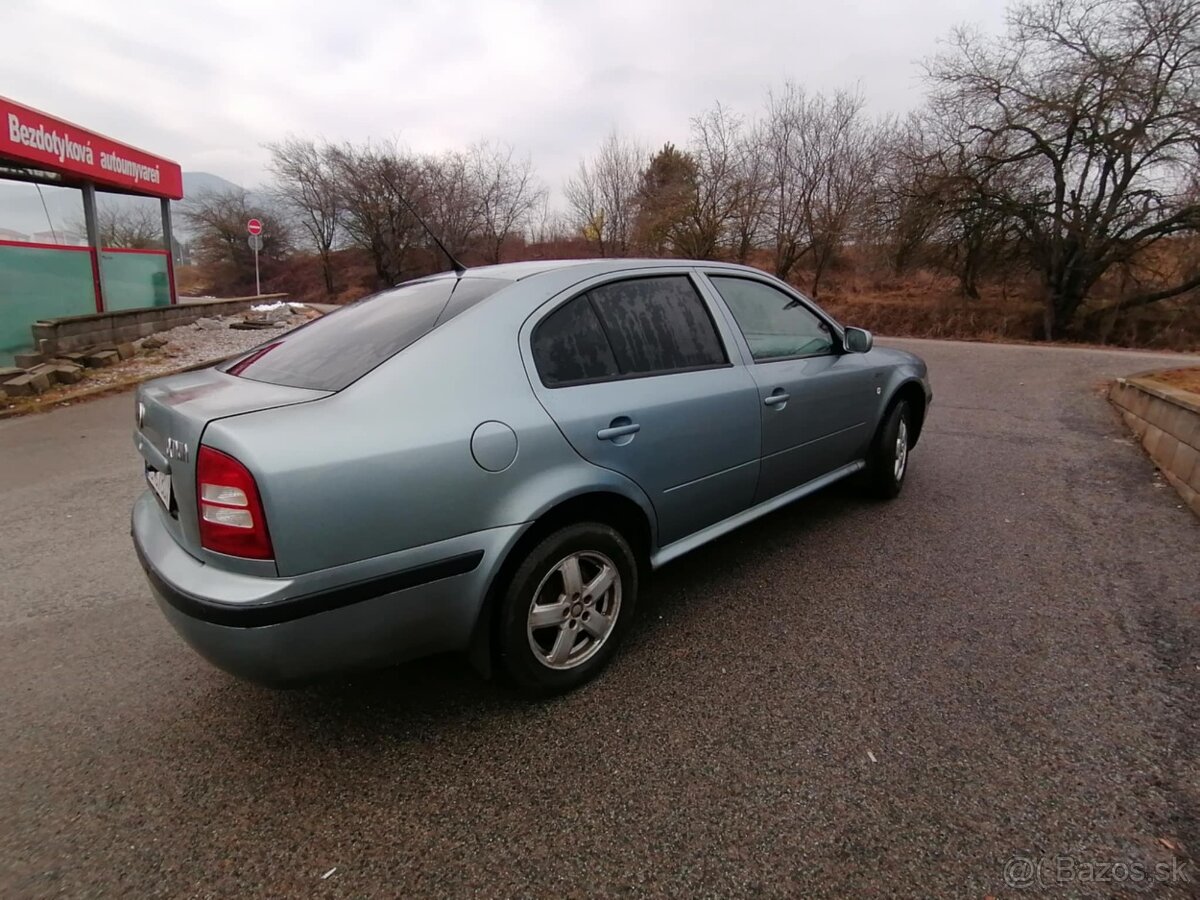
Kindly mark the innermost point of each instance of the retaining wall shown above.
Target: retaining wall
(51, 336)
(1167, 422)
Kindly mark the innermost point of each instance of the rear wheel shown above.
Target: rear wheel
(887, 460)
(566, 608)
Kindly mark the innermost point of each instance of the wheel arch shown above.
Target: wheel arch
(912, 391)
(606, 506)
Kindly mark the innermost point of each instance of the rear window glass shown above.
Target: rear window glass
(337, 349)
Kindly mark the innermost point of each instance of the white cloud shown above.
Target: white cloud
(207, 83)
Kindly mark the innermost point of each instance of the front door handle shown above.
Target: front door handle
(618, 431)
(777, 397)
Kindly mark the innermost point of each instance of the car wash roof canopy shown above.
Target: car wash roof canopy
(40, 280)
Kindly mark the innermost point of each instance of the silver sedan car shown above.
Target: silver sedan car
(493, 461)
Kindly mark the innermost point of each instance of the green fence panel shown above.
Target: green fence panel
(134, 280)
(40, 283)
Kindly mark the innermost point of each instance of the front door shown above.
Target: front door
(814, 399)
(636, 375)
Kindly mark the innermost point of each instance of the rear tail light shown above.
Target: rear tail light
(231, 513)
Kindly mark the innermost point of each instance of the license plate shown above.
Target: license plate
(161, 483)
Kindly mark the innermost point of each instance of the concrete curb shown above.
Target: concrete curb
(1166, 421)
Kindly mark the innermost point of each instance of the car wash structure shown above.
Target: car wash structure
(51, 280)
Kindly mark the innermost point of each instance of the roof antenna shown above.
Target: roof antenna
(458, 267)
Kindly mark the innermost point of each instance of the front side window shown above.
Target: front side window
(776, 325)
(657, 325)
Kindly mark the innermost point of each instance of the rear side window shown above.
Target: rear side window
(657, 325)
(332, 352)
(570, 347)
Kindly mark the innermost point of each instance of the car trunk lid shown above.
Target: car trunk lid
(171, 415)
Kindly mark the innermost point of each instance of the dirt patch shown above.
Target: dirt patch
(1182, 379)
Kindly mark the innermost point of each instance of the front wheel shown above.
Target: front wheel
(567, 607)
(887, 460)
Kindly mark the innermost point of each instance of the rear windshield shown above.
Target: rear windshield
(339, 348)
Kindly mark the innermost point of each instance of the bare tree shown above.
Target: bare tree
(373, 182)
(507, 191)
(603, 195)
(716, 154)
(306, 188)
(820, 156)
(218, 219)
(1083, 122)
(449, 202)
(133, 225)
(749, 214)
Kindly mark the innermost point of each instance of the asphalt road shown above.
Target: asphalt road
(845, 698)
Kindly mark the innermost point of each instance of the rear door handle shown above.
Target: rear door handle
(778, 396)
(618, 431)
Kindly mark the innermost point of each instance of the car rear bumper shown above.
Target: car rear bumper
(286, 630)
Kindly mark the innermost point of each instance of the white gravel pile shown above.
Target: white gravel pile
(190, 345)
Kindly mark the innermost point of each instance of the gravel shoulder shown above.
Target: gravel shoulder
(166, 352)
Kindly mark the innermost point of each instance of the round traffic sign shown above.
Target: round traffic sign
(254, 226)
(255, 241)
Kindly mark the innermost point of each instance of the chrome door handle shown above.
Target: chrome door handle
(777, 397)
(616, 431)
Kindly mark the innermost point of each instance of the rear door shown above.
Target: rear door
(815, 400)
(636, 373)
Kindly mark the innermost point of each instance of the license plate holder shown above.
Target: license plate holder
(160, 483)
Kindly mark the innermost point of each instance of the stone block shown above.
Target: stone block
(25, 385)
(27, 360)
(45, 369)
(7, 372)
(101, 358)
(1133, 423)
(1190, 432)
(1139, 403)
(1151, 437)
(1164, 451)
(68, 374)
(74, 356)
(1186, 458)
(125, 349)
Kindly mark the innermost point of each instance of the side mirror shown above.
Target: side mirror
(858, 340)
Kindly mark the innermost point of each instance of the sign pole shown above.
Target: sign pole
(255, 228)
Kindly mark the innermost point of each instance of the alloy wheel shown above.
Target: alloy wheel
(574, 610)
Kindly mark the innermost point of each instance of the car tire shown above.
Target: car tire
(553, 633)
(887, 460)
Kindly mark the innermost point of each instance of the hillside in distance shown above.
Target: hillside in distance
(60, 210)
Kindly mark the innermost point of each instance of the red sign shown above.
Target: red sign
(254, 226)
(35, 139)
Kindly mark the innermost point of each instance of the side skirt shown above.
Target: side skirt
(685, 545)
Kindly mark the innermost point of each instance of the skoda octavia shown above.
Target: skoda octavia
(491, 461)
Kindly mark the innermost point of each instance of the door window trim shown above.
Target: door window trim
(838, 347)
(555, 304)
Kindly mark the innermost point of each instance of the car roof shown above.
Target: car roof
(516, 271)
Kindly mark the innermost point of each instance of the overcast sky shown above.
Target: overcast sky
(208, 82)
